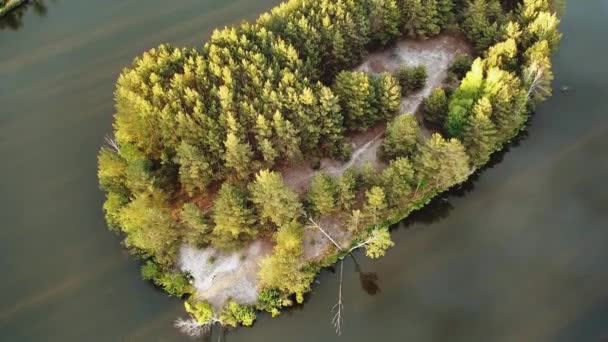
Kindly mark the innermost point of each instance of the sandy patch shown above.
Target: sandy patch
(230, 276)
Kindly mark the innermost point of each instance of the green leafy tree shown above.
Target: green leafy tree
(270, 300)
(401, 136)
(464, 98)
(234, 220)
(274, 201)
(149, 226)
(283, 269)
(378, 242)
(234, 314)
(111, 207)
(202, 311)
(435, 107)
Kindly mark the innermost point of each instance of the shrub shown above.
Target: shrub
(411, 79)
(401, 136)
(270, 300)
(235, 314)
(435, 107)
(460, 66)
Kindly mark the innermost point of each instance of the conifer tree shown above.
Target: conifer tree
(234, 220)
(480, 133)
(238, 156)
(401, 136)
(376, 203)
(435, 107)
(274, 201)
(194, 171)
(282, 270)
(322, 193)
(443, 163)
(384, 20)
(482, 22)
(346, 189)
(356, 94)
(397, 180)
(149, 227)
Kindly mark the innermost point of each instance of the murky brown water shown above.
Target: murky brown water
(520, 257)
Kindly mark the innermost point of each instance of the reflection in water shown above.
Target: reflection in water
(369, 280)
(14, 19)
(438, 209)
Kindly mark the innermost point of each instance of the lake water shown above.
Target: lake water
(522, 256)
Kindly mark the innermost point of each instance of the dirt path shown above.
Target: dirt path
(435, 54)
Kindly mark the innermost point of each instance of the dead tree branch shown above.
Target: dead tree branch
(337, 319)
(316, 225)
(111, 142)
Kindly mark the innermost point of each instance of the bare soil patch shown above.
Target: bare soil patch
(220, 276)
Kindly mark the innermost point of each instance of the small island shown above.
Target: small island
(238, 170)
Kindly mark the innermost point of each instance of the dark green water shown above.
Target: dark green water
(521, 257)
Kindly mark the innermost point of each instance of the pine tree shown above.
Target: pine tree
(443, 163)
(346, 189)
(195, 173)
(234, 220)
(435, 107)
(389, 96)
(376, 203)
(482, 22)
(322, 194)
(398, 179)
(480, 134)
(401, 136)
(384, 19)
(356, 95)
(463, 99)
(196, 223)
(274, 201)
(149, 227)
(238, 156)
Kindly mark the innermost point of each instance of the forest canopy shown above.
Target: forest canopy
(201, 134)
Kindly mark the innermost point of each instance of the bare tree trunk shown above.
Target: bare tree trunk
(314, 224)
(112, 143)
(337, 319)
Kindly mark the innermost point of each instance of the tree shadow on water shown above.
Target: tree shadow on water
(13, 20)
(368, 280)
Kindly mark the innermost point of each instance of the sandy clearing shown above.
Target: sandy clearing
(230, 276)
